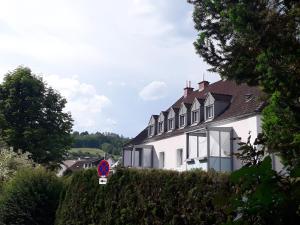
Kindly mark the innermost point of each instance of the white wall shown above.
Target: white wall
(241, 129)
(170, 146)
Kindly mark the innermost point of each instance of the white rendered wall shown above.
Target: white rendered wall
(241, 129)
(170, 146)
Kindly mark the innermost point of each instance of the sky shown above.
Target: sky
(116, 62)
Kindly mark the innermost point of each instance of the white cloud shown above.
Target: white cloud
(154, 91)
(84, 102)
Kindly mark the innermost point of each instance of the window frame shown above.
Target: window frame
(197, 112)
(160, 126)
(179, 160)
(151, 130)
(182, 116)
(162, 158)
(171, 121)
(209, 110)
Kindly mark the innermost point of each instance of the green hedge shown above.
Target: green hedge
(31, 197)
(145, 197)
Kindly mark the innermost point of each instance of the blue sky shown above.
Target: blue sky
(117, 62)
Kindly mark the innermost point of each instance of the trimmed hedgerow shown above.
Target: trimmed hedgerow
(145, 197)
(31, 197)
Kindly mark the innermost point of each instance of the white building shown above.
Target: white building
(200, 130)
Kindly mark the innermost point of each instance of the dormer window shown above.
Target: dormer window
(197, 113)
(184, 115)
(181, 120)
(160, 127)
(152, 126)
(195, 116)
(151, 129)
(209, 112)
(170, 124)
(172, 121)
(215, 104)
(162, 122)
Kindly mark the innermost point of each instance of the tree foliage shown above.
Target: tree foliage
(262, 196)
(109, 142)
(258, 42)
(32, 118)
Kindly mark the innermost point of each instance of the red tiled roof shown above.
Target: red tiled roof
(235, 92)
(243, 99)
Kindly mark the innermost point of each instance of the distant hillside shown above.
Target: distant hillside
(108, 142)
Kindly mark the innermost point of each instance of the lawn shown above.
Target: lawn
(86, 151)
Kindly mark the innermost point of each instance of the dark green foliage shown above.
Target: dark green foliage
(281, 127)
(145, 197)
(249, 154)
(251, 41)
(32, 197)
(32, 117)
(108, 142)
(258, 42)
(263, 196)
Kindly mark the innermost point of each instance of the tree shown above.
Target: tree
(258, 42)
(106, 147)
(32, 118)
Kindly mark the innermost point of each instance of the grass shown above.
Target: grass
(87, 151)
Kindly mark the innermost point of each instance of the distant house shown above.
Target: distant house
(85, 164)
(201, 129)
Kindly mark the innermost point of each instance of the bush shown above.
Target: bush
(145, 197)
(11, 162)
(31, 197)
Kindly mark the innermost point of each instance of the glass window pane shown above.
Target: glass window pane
(161, 160)
(127, 158)
(214, 143)
(225, 144)
(192, 147)
(147, 157)
(202, 146)
(137, 158)
(179, 157)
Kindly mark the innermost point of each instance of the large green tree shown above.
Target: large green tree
(32, 117)
(258, 42)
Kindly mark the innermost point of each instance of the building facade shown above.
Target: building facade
(202, 129)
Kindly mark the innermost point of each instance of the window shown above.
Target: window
(179, 157)
(209, 111)
(151, 130)
(170, 124)
(138, 157)
(161, 160)
(195, 116)
(160, 127)
(181, 120)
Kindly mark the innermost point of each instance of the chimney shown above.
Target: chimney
(203, 85)
(188, 89)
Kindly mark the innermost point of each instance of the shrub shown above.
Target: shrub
(11, 162)
(145, 197)
(31, 197)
